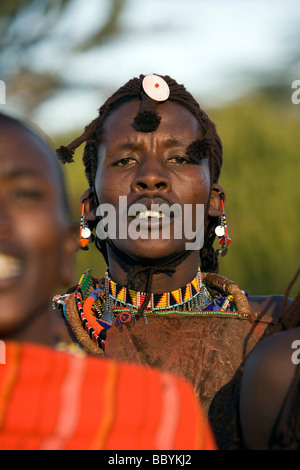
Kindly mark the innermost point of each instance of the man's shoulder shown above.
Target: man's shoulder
(268, 306)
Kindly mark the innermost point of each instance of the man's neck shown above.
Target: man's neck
(161, 282)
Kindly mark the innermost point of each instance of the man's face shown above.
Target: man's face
(33, 228)
(151, 168)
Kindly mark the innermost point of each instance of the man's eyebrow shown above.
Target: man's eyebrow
(129, 146)
(168, 143)
(174, 143)
(12, 173)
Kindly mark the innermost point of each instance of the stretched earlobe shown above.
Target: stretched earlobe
(217, 195)
(217, 208)
(89, 201)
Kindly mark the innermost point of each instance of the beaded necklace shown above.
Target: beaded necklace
(98, 309)
(97, 304)
(184, 297)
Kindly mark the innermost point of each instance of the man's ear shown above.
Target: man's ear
(90, 201)
(217, 194)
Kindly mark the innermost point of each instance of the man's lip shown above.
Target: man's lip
(12, 248)
(151, 207)
(151, 214)
(11, 270)
(12, 262)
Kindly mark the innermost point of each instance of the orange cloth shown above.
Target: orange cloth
(55, 400)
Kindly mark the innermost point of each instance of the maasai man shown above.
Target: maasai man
(152, 160)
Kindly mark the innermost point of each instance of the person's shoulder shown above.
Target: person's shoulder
(274, 351)
(268, 373)
(268, 306)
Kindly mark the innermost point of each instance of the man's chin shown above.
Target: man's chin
(151, 252)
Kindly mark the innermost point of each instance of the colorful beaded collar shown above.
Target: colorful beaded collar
(159, 301)
(98, 309)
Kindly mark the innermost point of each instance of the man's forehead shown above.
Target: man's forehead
(22, 145)
(177, 122)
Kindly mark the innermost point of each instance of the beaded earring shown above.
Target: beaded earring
(222, 232)
(85, 234)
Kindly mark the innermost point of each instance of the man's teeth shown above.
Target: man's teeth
(9, 266)
(153, 214)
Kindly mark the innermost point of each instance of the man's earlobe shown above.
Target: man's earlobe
(217, 194)
(90, 201)
(216, 209)
(88, 218)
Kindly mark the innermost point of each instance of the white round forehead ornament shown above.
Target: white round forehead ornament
(156, 87)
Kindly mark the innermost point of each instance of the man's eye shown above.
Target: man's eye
(24, 195)
(125, 162)
(179, 160)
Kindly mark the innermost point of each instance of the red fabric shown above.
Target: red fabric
(55, 400)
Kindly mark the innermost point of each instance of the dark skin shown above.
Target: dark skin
(267, 376)
(153, 168)
(147, 167)
(37, 241)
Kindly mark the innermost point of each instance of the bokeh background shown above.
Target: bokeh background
(60, 60)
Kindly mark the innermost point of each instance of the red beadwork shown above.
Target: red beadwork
(83, 242)
(222, 241)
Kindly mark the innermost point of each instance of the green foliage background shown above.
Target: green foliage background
(261, 174)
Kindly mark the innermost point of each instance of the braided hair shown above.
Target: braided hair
(147, 120)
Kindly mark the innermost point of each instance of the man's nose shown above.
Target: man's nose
(151, 176)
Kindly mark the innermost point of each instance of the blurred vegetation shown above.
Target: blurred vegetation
(259, 134)
(261, 176)
(28, 26)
